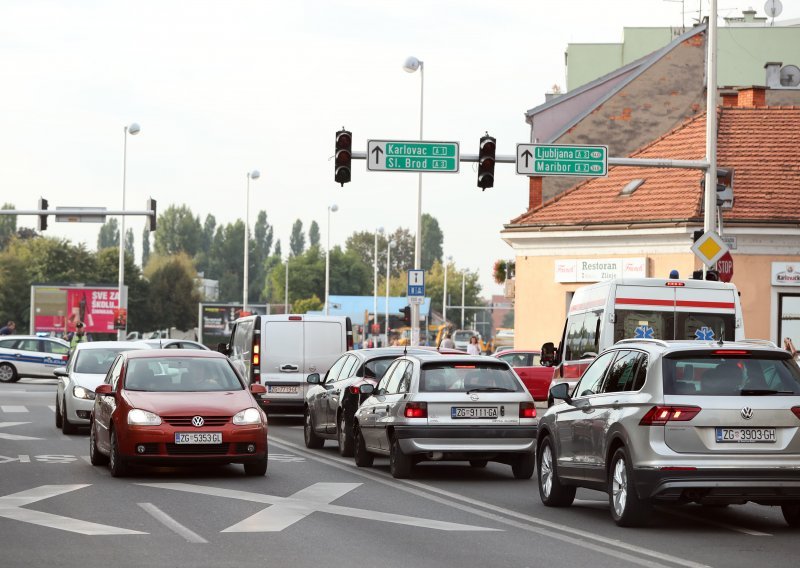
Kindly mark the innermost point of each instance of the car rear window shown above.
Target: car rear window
(461, 377)
(730, 373)
(181, 374)
(377, 367)
(96, 361)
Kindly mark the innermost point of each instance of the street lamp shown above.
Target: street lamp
(463, 295)
(410, 66)
(375, 280)
(389, 246)
(333, 208)
(122, 302)
(255, 174)
(286, 289)
(447, 262)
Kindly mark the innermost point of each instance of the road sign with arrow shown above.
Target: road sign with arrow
(562, 160)
(412, 156)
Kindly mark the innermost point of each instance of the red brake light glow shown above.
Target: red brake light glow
(730, 352)
(464, 366)
(527, 410)
(660, 415)
(796, 410)
(295, 318)
(674, 284)
(416, 410)
(353, 389)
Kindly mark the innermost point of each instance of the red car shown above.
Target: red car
(173, 407)
(528, 366)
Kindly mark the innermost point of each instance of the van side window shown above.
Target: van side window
(590, 334)
(242, 339)
(572, 338)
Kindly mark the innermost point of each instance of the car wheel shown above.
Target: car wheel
(627, 509)
(309, 436)
(552, 492)
(116, 463)
(399, 463)
(478, 463)
(791, 513)
(362, 457)
(345, 436)
(58, 413)
(8, 374)
(95, 457)
(67, 427)
(524, 466)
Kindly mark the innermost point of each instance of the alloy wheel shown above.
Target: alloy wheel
(546, 475)
(619, 487)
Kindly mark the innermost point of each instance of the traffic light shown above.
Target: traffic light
(486, 161)
(42, 225)
(406, 314)
(151, 205)
(343, 158)
(724, 187)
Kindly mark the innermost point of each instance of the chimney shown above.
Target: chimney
(534, 192)
(773, 74)
(754, 96)
(729, 98)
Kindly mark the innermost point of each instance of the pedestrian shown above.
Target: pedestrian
(473, 348)
(79, 336)
(447, 342)
(8, 329)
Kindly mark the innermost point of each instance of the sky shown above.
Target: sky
(221, 88)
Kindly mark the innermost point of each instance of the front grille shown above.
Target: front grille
(197, 449)
(186, 421)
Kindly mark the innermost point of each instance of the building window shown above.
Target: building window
(789, 321)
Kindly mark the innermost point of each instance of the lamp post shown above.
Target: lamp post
(444, 290)
(375, 280)
(122, 301)
(389, 246)
(463, 295)
(410, 66)
(286, 289)
(255, 174)
(333, 208)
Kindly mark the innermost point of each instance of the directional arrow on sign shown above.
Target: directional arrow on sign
(4, 436)
(377, 151)
(527, 155)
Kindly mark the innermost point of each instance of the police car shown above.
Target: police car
(30, 356)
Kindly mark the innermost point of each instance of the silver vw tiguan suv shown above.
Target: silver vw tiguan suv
(680, 421)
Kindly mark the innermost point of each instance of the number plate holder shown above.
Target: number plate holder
(198, 437)
(462, 412)
(739, 435)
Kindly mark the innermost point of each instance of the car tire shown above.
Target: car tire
(524, 466)
(95, 457)
(67, 427)
(345, 436)
(116, 464)
(59, 418)
(400, 464)
(791, 514)
(627, 509)
(257, 469)
(309, 436)
(478, 464)
(8, 374)
(552, 492)
(360, 453)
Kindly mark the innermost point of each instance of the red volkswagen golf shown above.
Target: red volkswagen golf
(162, 407)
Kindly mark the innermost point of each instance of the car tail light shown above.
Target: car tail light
(352, 389)
(729, 352)
(255, 359)
(295, 318)
(660, 415)
(796, 410)
(65, 357)
(672, 284)
(527, 410)
(416, 410)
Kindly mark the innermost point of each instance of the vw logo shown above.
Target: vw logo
(747, 413)
(198, 421)
(474, 397)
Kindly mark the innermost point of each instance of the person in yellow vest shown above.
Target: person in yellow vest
(79, 336)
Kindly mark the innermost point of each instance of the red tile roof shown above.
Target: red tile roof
(762, 145)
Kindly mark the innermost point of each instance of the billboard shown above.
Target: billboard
(216, 319)
(56, 309)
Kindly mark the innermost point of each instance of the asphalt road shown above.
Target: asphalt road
(315, 508)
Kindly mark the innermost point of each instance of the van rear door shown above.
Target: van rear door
(705, 314)
(325, 341)
(282, 359)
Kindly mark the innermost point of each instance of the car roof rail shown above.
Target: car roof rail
(660, 342)
(764, 342)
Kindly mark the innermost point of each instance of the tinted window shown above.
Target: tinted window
(405, 379)
(112, 377)
(453, 377)
(572, 343)
(705, 326)
(334, 371)
(518, 359)
(181, 374)
(384, 382)
(377, 367)
(622, 372)
(242, 339)
(349, 367)
(95, 361)
(639, 324)
(641, 373)
(593, 377)
(7, 343)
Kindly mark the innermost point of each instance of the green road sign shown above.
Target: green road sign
(412, 156)
(562, 160)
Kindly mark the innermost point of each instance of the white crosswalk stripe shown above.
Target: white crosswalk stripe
(9, 409)
(288, 458)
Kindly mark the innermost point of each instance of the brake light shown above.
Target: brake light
(674, 284)
(730, 352)
(255, 359)
(660, 415)
(527, 410)
(464, 366)
(295, 318)
(416, 410)
(353, 389)
(796, 410)
(64, 357)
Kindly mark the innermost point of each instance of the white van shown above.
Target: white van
(279, 351)
(642, 308)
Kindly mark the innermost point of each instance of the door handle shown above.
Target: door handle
(287, 368)
(387, 409)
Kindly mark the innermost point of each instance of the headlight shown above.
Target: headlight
(139, 417)
(247, 416)
(80, 392)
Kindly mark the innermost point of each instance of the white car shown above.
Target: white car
(87, 368)
(30, 356)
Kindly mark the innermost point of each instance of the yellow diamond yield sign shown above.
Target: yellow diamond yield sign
(709, 248)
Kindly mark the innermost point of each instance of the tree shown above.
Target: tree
(434, 288)
(297, 240)
(15, 290)
(8, 226)
(109, 234)
(173, 296)
(49, 260)
(363, 244)
(178, 231)
(262, 243)
(129, 238)
(313, 234)
(227, 261)
(278, 252)
(107, 271)
(146, 244)
(312, 304)
(349, 274)
(432, 239)
(306, 277)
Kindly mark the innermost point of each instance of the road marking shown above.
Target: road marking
(4, 436)
(52, 407)
(172, 524)
(11, 507)
(9, 409)
(734, 528)
(285, 511)
(289, 458)
(549, 529)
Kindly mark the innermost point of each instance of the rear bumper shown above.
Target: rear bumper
(763, 486)
(282, 405)
(460, 439)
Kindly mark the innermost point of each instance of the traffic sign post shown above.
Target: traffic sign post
(710, 248)
(412, 156)
(416, 284)
(725, 267)
(562, 160)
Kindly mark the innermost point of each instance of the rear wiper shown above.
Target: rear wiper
(490, 389)
(762, 392)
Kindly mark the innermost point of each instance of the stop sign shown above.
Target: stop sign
(725, 267)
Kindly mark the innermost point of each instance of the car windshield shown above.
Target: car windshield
(731, 373)
(181, 374)
(96, 361)
(462, 377)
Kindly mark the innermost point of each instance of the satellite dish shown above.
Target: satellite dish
(790, 76)
(773, 8)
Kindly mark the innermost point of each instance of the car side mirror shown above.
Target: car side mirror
(60, 372)
(104, 390)
(366, 389)
(548, 356)
(258, 389)
(223, 348)
(314, 379)
(561, 392)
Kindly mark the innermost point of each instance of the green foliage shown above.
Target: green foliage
(312, 304)
(432, 239)
(362, 244)
(178, 231)
(306, 277)
(297, 240)
(434, 288)
(15, 290)
(108, 236)
(227, 261)
(349, 274)
(173, 296)
(313, 234)
(508, 319)
(51, 260)
(146, 244)
(8, 226)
